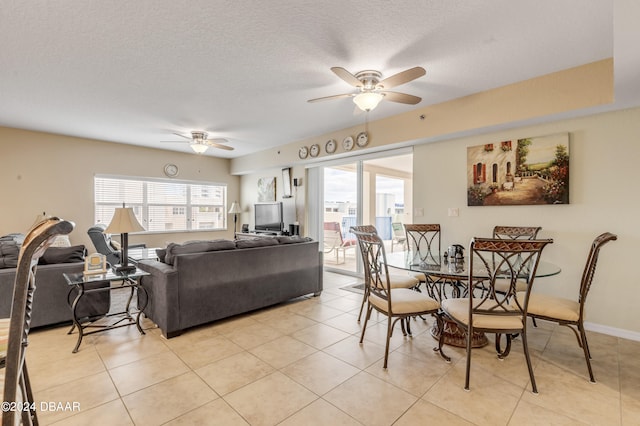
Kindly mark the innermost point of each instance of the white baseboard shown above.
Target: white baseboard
(612, 331)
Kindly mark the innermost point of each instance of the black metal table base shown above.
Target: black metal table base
(127, 318)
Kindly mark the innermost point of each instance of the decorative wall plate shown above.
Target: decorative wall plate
(330, 146)
(314, 150)
(171, 170)
(303, 152)
(347, 143)
(362, 139)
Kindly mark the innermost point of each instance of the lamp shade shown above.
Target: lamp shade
(367, 101)
(235, 208)
(199, 148)
(123, 221)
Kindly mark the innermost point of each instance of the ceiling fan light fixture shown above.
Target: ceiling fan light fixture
(199, 148)
(367, 101)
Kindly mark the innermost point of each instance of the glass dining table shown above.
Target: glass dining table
(446, 278)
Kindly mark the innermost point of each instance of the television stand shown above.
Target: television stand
(257, 234)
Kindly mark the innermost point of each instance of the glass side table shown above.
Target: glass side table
(87, 284)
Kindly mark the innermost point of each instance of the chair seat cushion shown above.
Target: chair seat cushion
(458, 309)
(502, 285)
(405, 301)
(402, 281)
(552, 307)
(418, 276)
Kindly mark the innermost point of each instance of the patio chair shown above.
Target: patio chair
(399, 237)
(333, 241)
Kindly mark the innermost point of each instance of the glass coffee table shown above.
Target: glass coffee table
(87, 284)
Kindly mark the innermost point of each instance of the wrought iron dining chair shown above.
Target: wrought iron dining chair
(513, 233)
(396, 280)
(14, 378)
(570, 313)
(397, 304)
(423, 239)
(516, 232)
(496, 312)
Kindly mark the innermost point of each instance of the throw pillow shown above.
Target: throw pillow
(161, 253)
(63, 255)
(9, 251)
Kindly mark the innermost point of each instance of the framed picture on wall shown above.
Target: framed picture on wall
(529, 171)
(286, 182)
(266, 189)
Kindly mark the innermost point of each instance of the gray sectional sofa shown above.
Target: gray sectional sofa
(50, 304)
(202, 281)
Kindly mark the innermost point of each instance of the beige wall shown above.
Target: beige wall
(604, 151)
(52, 173)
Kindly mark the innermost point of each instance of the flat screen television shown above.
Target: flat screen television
(269, 217)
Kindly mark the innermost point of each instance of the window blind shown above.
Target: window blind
(162, 205)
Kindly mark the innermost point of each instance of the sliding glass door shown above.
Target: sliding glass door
(340, 212)
(372, 191)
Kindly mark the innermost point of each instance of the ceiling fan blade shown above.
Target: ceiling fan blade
(183, 136)
(347, 76)
(326, 98)
(217, 145)
(401, 78)
(402, 98)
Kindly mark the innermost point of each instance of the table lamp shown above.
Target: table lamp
(123, 222)
(234, 210)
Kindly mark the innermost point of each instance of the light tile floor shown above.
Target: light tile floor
(300, 363)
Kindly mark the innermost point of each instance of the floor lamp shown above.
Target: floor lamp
(235, 210)
(123, 222)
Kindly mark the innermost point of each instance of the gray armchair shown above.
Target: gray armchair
(103, 244)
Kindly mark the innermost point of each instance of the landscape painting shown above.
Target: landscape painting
(530, 171)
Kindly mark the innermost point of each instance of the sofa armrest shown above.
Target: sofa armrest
(163, 305)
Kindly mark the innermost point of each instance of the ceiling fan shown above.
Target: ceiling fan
(372, 89)
(200, 144)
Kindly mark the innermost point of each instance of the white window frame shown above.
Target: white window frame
(141, 207)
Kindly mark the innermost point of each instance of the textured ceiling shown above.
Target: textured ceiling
(136, 71)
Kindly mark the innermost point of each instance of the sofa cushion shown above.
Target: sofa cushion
(256, 242)
(197, 246)
(71, 254)
(293, 239)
